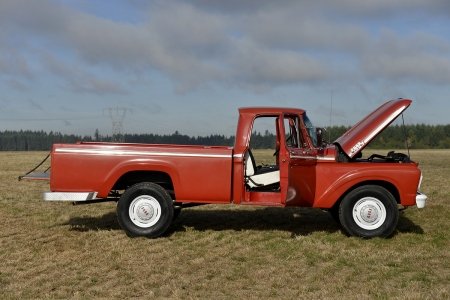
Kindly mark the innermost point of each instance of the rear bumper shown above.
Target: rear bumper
(421, 199)
(61, 196)
(36, 176)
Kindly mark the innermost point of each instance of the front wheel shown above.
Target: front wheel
(369, 211)
(145, 209)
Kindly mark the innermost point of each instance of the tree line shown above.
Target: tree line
(418, 136)
(43, 141)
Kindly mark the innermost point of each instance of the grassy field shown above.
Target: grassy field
(53, 250)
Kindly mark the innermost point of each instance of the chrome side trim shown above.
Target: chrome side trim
(61, 196)
(133, 152)
(314, 157)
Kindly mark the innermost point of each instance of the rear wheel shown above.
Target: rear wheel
(145, 209)
(369, 211)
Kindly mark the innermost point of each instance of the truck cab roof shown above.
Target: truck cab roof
(270, 110)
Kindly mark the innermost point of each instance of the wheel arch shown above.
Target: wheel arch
(391, 188)
(129, 173)
(132, 177)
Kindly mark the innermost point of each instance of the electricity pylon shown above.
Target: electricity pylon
(117, 114)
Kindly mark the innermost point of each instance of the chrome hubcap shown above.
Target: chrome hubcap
(145, 211)
(369, 213)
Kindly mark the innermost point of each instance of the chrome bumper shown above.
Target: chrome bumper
(421, 199)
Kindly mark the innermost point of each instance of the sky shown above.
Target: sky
(74, 66)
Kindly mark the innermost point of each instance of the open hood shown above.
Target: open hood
(359, 136)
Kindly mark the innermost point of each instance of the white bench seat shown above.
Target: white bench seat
(259, 176)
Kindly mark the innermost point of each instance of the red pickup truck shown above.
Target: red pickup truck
(152, 183)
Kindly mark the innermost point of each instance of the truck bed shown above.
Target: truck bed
(196, 173)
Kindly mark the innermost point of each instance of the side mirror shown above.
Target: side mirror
(319, 137)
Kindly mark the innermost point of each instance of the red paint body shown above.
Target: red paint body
(310, 176)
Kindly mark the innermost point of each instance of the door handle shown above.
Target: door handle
(283, 160)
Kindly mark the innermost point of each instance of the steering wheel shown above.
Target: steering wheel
(287, 140)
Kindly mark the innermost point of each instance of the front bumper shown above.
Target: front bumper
(421, 199)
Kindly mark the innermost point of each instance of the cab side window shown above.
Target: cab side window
(263, 138)
(292, 132)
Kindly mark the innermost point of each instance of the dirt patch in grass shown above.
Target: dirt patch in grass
(53, 250)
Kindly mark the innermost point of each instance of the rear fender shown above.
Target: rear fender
(138, 165)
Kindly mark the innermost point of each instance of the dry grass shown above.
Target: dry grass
(54, 250)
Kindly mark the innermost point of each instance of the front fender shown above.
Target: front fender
(402, 177)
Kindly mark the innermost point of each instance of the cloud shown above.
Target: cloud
(302, 27)
(255, 45)
(254, 66)
(345, 8)
(385, 8)
(34, 105)
(418, 57)
(16, 85)
(12, 62)
(77, 80)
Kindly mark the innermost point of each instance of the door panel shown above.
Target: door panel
(302, 179)
(302, 167)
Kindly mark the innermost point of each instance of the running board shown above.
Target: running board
(62, 196)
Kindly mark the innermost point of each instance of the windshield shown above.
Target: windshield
(311, 130)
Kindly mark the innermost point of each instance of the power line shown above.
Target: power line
(166, 127)
(51, 119)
